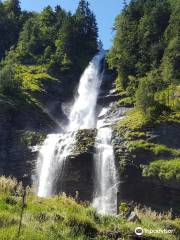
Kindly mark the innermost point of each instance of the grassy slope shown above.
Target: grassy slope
(62, 218)
(134, 128)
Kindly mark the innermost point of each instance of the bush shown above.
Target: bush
(9, 85)
(165, 170)
(123, 208)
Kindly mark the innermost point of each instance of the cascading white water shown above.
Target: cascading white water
(106, 180)
(83, 112)
(57, 147)
(51, 160)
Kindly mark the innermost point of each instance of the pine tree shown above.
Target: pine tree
(13, 6)
(86, 19)
(87, 31)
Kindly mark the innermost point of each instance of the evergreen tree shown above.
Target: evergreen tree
(87, 31)
(13, 6)
(31, 42)
(145, 53)
(139, 42)
(10, 13)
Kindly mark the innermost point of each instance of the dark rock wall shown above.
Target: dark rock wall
(78, 170)
(16, 157)
(148, 191)
(19, 131)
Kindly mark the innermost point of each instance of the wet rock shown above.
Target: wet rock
(133, 217)
(85, 139)
(78, 173)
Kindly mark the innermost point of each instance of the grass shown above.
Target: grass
(166, 170)
(134, 120)
(60, 217)
(136, 130)
(156, 149)
(125, 102)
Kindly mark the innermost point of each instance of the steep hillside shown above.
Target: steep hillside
(145, 54)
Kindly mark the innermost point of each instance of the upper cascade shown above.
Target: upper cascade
(82, 115)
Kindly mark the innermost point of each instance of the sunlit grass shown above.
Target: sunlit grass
(166, 170)
(61, 217)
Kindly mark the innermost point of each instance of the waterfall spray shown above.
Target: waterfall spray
(106, 182)
(106, 177)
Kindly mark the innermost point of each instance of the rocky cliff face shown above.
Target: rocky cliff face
(25, 126)
(78, 171)
(19, 131)
(135, 151)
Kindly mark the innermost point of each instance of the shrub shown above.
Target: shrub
(165, 170)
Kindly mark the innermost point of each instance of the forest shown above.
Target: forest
(145, 54)
(51, 43)
(42, 57)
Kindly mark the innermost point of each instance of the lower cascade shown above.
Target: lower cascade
(106, 183)
(57, 147)
(51, 161)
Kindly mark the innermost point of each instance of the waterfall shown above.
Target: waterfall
(106, 182)
(51, 161)
(57, 147)
(53, 154)
(83, 112)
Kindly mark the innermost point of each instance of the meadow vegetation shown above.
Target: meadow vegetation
(61, 217)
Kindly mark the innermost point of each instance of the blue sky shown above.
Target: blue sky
(105, 11)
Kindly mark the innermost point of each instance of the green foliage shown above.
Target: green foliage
(166, 170)
(11, 21)
(156, 149)
(61, 217)
(172, 118)
(20, 83)
(59, 39)
(145, 54)
(87, 31)
(137, 44)
(32, 77)
(31, 42)
(126, 102)
(41, 45)
(145, 95)
(133, 120)
(9, 84)
(170, 62)
(12, 6)
(169, 97)
(123, 208)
